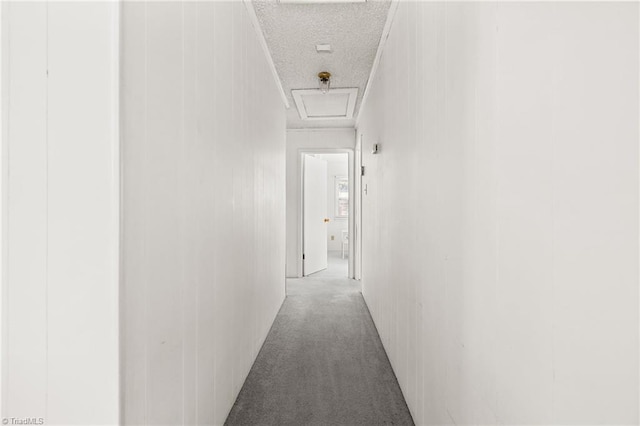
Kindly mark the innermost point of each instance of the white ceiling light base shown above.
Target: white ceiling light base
(312, 104)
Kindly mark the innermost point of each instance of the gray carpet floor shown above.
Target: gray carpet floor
(322, 363)
(337, 267)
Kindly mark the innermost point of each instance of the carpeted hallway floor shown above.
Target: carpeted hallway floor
(322, 363)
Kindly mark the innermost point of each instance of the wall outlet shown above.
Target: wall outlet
(333, 237)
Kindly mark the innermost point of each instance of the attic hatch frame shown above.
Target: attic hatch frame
(298, 94)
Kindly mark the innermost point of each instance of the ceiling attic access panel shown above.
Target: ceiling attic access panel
(312, 104)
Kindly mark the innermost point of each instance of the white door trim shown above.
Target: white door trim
(299, 207)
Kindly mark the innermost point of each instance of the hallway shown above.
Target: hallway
(322, 363)
(477, 163)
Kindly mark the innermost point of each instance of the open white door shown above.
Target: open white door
(315, 215)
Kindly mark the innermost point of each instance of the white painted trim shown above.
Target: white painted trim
(302, 111)
(265, 48)
(376, 62)
(116, 170)
(4, 208)
(357, 208)
(321, 129)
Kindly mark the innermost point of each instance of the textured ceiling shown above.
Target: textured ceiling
(292, 31)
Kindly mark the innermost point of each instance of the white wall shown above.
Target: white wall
(204, 198)
(60, 212)
(337, 166)
(500, 259)
(297, 142)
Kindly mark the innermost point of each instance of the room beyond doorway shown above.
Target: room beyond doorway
(325, 214)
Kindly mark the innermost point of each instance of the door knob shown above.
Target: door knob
(326, 220)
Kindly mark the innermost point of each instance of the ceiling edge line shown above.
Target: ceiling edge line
(376, 62)
(265, 49)
(321, 129)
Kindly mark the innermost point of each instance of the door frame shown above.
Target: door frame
(357, 207)
(300, 206)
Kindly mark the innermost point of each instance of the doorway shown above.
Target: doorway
(326, 213)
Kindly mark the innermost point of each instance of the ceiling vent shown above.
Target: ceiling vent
(312, 104)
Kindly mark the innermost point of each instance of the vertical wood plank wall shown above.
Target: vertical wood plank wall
(60, 208)
(500, 258)
(203, 208)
